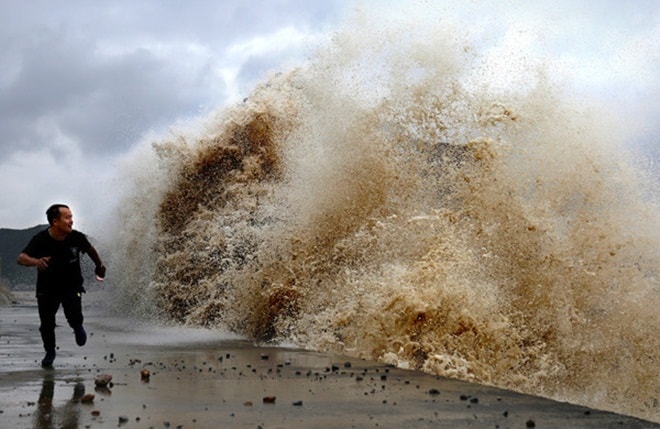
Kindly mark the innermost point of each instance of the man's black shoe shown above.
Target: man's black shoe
(81, 336)
(47, 361)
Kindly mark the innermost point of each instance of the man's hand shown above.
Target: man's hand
(100, 272)
(42, 263)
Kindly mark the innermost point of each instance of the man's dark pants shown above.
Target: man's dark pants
(48, 306)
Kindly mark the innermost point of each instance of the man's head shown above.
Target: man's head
(60, 217)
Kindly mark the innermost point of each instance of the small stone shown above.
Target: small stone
(530, 424)
(145, 374)
(95, 413)
(434, 392)
(87, 399)
(464, 397)
(269, 399)
(247, 403)
(103, 379)
(263, 356)
(298, 403)
(474, 400)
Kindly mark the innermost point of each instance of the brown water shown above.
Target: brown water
(387, 201)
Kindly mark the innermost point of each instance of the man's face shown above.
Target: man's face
(64, 223)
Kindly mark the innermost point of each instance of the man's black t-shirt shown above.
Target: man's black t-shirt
(63, 273)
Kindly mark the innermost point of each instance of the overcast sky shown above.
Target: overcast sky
(82, 82)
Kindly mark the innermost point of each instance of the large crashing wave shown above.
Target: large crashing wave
(383, 202)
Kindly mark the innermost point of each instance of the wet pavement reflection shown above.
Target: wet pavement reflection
(65, 416)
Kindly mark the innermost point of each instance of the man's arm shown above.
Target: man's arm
(28, 261)
(94, 255)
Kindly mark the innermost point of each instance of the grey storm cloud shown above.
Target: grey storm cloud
(105, 73)
(90, 98)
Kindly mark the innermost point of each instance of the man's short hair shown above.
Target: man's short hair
(53, 212)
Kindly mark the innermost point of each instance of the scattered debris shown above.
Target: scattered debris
(103, 379)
